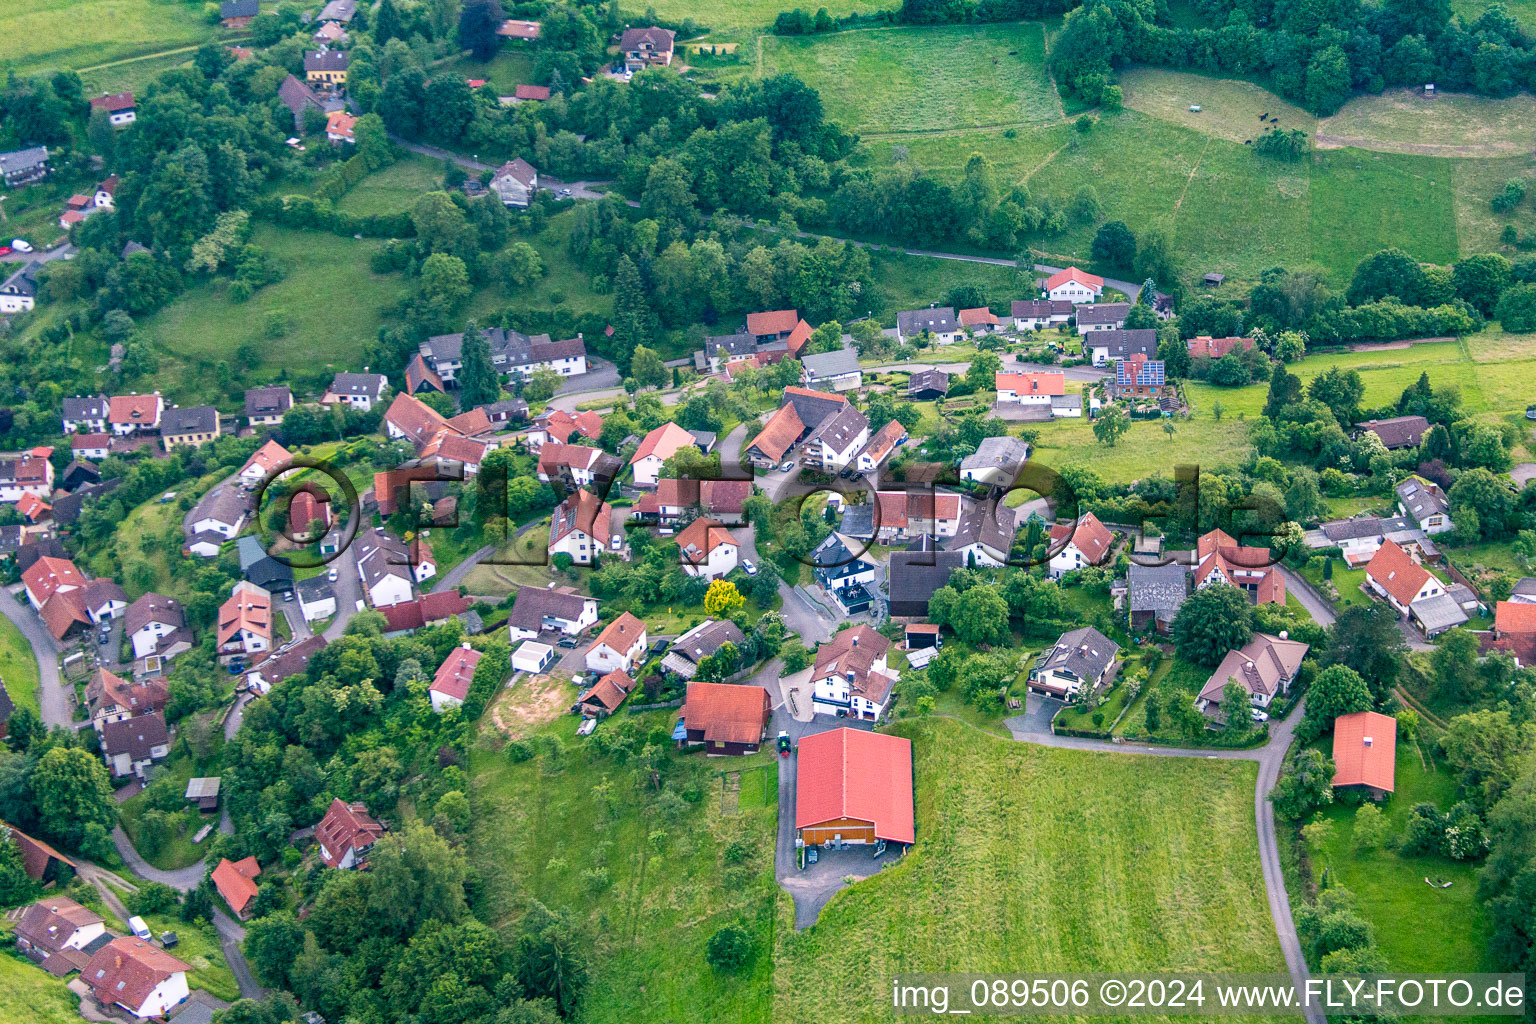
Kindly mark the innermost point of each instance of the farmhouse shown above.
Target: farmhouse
(141, 978)
(191, 426)
(1154, 594)
(854, 787)
(23, 166)
(1107, 346)
(700, 642)
(619, 647)
(1397, 432)
(1038, 314)
(1206, 347)
(1074, 286)
(113, 699)
(235, 881)
(1104, 316)
(1265, 666)
(997, 461)
(727, 719)
(346, 834)
(539, 609)
(655, 449)
(1083, 657)
(1088, 542)
(583, 527)
(327, 68)
(675, 499)
(450, 684)
(939, 322)
(706, 549)
(1365, 753)
(119, 107)
(885, 441)
(1426, 504)
(851, 677)
(1220, 559)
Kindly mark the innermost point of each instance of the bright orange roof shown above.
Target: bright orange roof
(849, 773)
(663, 442)
(776, 322)
(1514, 617)
(1092, 537)
(233, 880)
(1396, 572)
(1364, 750)
(621, 633)
(1082, 277)
(797, 339)
(1033, 383)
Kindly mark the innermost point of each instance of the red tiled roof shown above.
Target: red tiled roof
(663, 442)
(1032, 383)
(1396, 572)
(866, 776)
(339, 122)
(268, 457)
(979, 315)
(304, 509)
(475, 421)
(1082, 277)
(532, 92)
(778, 434)
(114, 103)
(621, 634)
(1092, 537)
(797, 339)
(1214, 348)
(456, 448)
(233, 879)
(610, 691)
(702, 536)
(419, 374)
(1514, 617)
(417, 420)
(776, 322)
(46, 575)
(1356, 763)
(345, 827)
(83, 442)
(726, 712)
(248, 608)
(63, 612)
(35, 854)
(126, 970)
(456, 672)
(884, 441)
(133, 409)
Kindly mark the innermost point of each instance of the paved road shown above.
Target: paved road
(800, 613)
(348, 589)
(1320, 610)
(50, 692)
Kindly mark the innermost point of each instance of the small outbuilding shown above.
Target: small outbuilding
(532, 656)
(204, 792)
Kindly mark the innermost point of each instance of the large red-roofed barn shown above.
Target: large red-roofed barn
(854, 787)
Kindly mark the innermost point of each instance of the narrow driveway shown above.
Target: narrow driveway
(1320, 610)
(50, 692)
(800, 613)
(348, 589)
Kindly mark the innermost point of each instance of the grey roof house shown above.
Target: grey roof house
(1154, 594)
(1082, 657)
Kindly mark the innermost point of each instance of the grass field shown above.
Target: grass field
(395, 188)
(1144, 450)
(670, 884)
(132, 75)
(72, 34)
(1066, 860)
(18, 666)
(331, 298)
(1419, 929)
(28, 993)
(728, 18)
(200, 948)
(921, 79)
(1229, 108)
(1524, 11)
(505, 72)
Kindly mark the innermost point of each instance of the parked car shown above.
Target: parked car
(21, 245)
(751, 568)
(138, 927)
(567, 643)
(787, 466)
(5, 250)
(1260, 716)
(331, 575)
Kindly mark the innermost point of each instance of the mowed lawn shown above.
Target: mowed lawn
(332, 300)
(71, 34)
(729, 17)
(395, 188)
(1043, 860)
(28, 993)
(18, 666)
(922, 79)
(1145, 450)
(664, 885)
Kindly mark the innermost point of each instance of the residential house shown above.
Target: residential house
(420, 377)
(131, 745)
(538, 610)
(997, 461)
(267, 670)
(1397, 432)
(137, 975)
(49, 576)
(119, 107)
(132, 414)
(216, 518)
(1154, 595)
(299, 98)
(702, 641)
(190, 426)
(775, 325)
(604, 697)
(346, 835)
(576, 464)
(317, 598)
(1082, 657)
(1087, 542)
(619, 647)
(262, 569)
(527, 31)
(986, 532)
(511, 352)
(309, 516)
(94, 447)
(236, 882)
(559, 425)
(85, 415)
(1030, 389)
(238, 14)
(675, 500)
(707, 549)
(836, 441)
(913, 576)
(927, 385)
(1514, 629)
(1394, 575)
(777, 437)
(55, 924)
(583, 527)
(330, 34)
(1426, 504)
(1220, 559)
(1103, 316)
(30, 506)
(23, 166)
(854, 788)
(1365, 753)
(103, 599)
(18, 292)
(646, 47)
(921, 512)
(359, 390)
(263, 463)
(341, 11)
(245, 623)
(1265, 666)
(530, 93)
(1206, 347)
(1139, 377)
(156, 625)
(28, 474)
(940, 322)
(112, 698)
(338, 128)
(1038, 314)
(655, 449)
(848, 578)
(722, 349)
(450, 685)
(1107, 346)
(1074, 286)
(880, 446)
(515, 182)
(980, 320)
(851, 677)
(837, 370)
(388, 567)
(727, 719)
(796, 342)
(105, 195)
(1358, 539)
(326, 68)
(264, 407)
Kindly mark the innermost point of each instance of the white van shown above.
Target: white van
(139, 928)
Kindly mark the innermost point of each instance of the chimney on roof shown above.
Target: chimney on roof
(1367, 741)
(465, 645)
